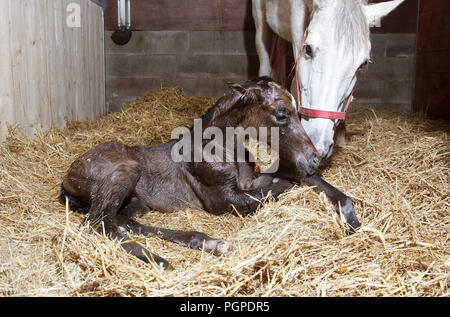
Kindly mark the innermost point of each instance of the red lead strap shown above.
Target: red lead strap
(334, 115)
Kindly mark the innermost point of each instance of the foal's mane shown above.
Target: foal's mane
(239, 97)
(222, 105)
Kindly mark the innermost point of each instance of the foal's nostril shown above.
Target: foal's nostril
(315, 160)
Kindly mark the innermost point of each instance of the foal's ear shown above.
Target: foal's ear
(247, 93)
(237, 87)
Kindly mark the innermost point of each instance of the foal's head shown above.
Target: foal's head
(263, 103)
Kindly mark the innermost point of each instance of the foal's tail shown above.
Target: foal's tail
(78, 204)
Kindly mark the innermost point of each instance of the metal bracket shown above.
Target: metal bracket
(101, 3)
(123, 34)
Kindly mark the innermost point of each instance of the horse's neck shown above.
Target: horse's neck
(308, 4)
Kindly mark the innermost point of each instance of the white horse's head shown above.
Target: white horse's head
(336, 47)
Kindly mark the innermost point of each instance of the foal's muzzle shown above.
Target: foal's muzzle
(314, 162)
(309, 166)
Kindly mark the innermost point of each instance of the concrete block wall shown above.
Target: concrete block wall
(199, 62)
(203, 62)
(389, 79)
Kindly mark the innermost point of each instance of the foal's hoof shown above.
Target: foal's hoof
(221, 248)
(216, 247)
(348, 211)
(164, 264)
(349, 231)
(351, 228)
(159, 261)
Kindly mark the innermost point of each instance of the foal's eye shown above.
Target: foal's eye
(309, 51)
(281, 116)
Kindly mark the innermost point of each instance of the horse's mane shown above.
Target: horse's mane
(350, 22)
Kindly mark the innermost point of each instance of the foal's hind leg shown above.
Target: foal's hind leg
(192, 239)
(114, 228)
(108, 198)
(110, 191)
(140, 252)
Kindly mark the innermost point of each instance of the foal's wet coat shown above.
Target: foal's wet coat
(112, 183)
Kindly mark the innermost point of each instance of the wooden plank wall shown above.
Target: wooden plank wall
(432, 92)
(185, 15)
(49, 72)
(226, 15)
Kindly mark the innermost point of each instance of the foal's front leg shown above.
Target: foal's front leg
(338, 199)
(247, 201)
(246, 180)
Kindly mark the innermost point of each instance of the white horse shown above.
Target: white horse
(329, 55)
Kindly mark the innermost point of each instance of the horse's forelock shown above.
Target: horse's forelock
(323, 3)
(350, 22)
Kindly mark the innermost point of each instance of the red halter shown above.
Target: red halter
(333, 115)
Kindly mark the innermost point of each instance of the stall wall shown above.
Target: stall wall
(432, 93)
(200, 45)
(389, 79)
(51, 68)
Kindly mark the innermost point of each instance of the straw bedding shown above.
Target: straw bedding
(395, 167)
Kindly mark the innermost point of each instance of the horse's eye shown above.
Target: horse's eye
(308, 51)
(363, 65)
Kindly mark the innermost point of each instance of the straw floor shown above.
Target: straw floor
(395, 167)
